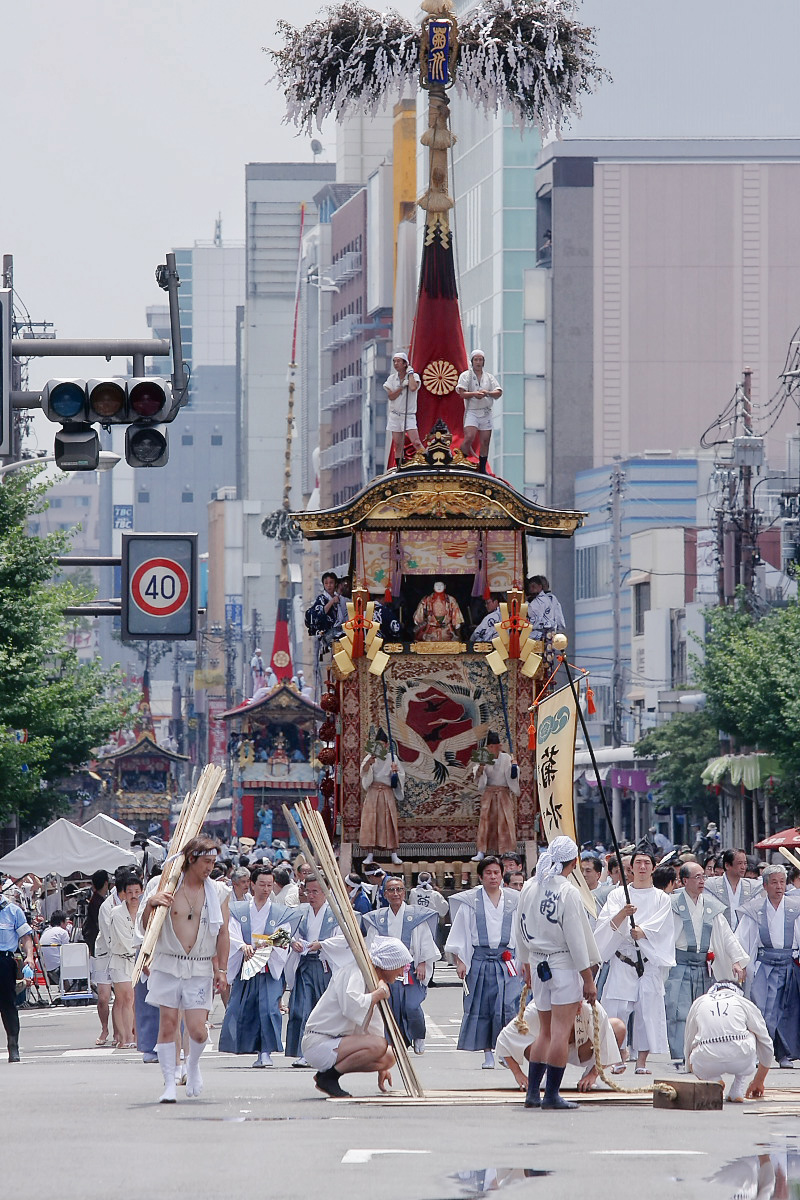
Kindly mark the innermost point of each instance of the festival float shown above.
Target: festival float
(435, 536)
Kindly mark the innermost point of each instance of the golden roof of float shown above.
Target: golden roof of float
(438, 489)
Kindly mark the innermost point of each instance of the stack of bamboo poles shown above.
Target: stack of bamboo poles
(317, 847)
(190, 823)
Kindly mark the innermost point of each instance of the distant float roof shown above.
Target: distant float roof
(440, 498)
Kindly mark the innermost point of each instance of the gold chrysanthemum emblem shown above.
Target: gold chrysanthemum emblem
(281, 658)
(440, 377)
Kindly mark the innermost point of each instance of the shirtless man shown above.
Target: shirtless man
(188, 963)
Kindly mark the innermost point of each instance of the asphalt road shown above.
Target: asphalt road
(80, 1122)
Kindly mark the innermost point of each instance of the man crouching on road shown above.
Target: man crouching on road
(558, 951)
(344, 1031)
(188, 963)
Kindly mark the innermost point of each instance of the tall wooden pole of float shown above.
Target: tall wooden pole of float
(438, 49)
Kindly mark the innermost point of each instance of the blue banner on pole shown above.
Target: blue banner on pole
(438, 56)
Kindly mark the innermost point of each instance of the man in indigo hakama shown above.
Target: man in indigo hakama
(482, 944)
(308, 971)
(252, 1022)
(416, 929)
(768, 930)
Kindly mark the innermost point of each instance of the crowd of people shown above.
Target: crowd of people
(650, 966)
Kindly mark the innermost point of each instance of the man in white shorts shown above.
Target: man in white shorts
(480, 390)
(557, 950)
(727, 1035)
(401, 412)
(344, 1032)
(188, 963)
(101, 960)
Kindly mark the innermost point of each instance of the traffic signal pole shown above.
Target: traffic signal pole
(81, 348)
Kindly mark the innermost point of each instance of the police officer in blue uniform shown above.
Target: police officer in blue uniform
(15, 932)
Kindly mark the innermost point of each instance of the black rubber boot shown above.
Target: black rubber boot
(482, 463)
(328, 1082)
(13, 1050)
(552, 1097)
(536, 1072)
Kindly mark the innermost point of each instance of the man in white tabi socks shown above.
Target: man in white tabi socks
(654, 935)
(557, 951)
(187, 963)
(252, 1022)
(308, 971)
(481, 942)
(382, 778)
(513, 1043)
(401, 388)
(769, 930)
(498, 784)
(706, 949)
(727, 1035)
(416, 929)
(344, 1033)
(480, 390)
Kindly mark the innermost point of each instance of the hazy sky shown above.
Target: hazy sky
(128, 125)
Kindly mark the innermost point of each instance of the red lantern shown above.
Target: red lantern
(329, 703)
(327, 756)
(327, 730)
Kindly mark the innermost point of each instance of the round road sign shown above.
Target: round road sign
(160, 587)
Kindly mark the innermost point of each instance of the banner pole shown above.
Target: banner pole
(601, 789)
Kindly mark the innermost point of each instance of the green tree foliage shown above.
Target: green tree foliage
(681, 748)
(752, 682)
(67, 707)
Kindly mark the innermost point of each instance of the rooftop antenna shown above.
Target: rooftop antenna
(218, 230)
(316, 148)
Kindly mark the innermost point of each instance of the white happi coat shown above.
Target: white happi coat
(551, 923)
(624, 992)
(512, 1044)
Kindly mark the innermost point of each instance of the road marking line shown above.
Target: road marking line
(649, 1153)
(90, 1053)
(364, 1156)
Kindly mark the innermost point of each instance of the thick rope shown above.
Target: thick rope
(664, 1088)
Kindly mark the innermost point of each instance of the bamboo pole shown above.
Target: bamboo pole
(335, 889)
(190, 821)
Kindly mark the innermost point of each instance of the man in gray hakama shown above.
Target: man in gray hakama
(308, 972)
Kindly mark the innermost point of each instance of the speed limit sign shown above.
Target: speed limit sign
(160, 587)
(159, 590)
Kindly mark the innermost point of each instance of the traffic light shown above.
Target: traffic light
(146, 445)
(77, 448)
(6, 422)
(145, 405)
(108, 401)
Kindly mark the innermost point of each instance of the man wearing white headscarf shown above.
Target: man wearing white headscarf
(344, 1032)
(401, 387)
(480, 390)
(557, 950)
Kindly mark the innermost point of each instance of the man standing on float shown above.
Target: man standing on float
(480, 390)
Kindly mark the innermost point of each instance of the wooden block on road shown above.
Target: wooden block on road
(689, 1094)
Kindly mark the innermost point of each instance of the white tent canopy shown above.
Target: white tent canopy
(122, 835)
(110, 830)
(63, 848)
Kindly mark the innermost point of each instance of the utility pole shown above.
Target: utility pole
(617, 484)
(747, 577)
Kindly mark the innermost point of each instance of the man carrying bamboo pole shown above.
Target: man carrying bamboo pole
(344, 1033)
(187, 963)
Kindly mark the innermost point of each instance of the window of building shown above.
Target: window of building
(56, 502)
(216, 439)
(187, 497)
(592, 571)
(143, 498)
(641, 605)
(187, 439)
